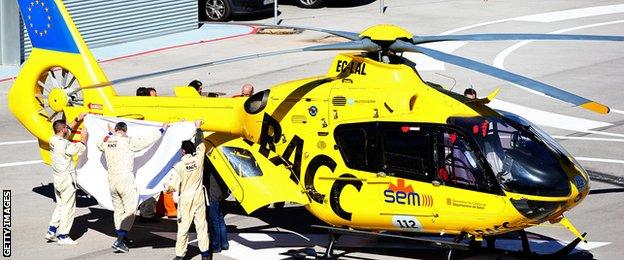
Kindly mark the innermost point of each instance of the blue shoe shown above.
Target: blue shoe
(119, 246)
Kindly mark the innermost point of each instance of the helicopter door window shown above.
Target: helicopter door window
(458, 164)
(356, 143)
(242, 161)
(407, 152)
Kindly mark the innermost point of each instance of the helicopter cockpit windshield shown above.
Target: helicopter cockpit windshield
(523, 157)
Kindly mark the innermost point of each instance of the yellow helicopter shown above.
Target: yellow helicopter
(369, 146)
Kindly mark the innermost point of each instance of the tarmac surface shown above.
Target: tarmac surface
(590, 69)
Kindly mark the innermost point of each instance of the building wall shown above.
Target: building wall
(107, 22)
(9, 33)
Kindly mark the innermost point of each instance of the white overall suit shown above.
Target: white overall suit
(187, 180)
(119, 152)
(62, 151)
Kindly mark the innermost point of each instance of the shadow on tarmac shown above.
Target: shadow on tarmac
(288, 227)
(83, 199)
(144, 234)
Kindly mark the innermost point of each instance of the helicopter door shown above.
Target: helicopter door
(406, 159)
(253, 180)
(348, 101)
(469, 189)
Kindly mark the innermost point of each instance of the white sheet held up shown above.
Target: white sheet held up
(152, 166)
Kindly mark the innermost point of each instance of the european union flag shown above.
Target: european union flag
(46, 27)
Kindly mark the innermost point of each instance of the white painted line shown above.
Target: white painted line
(500, 58)
(20, 163)
(549, 119)
(589, 245)
(256, 237)
(18, 142)
(588, 138)
(588, 159)
(424, 63)
(476, 25)
(240, 251)
(617, 111)
(554, 120)
(572, 14)
(604, 133)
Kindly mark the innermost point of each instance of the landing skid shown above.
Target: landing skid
(526, 250)
(334, 234)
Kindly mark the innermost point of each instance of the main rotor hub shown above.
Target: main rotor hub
(57, 99)
(386, 32)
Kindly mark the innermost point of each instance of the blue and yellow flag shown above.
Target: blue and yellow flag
(46, 27)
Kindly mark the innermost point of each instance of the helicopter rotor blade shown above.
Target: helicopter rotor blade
(361, 45)
(364, 45)
(505, 75)
(190, 67)
(343, 34)
(515, 37)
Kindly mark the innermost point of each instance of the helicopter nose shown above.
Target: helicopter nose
(579, 179)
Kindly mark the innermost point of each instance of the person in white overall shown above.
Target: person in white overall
(61, 152)
(119, 152)
(187, 179)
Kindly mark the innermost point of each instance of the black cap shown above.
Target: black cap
(196, 84)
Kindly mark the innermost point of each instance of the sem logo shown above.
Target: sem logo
(403, 195)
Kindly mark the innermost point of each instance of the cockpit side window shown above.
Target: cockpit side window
(522, 157)
(457, 163)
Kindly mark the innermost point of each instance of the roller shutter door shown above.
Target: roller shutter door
(106, 22)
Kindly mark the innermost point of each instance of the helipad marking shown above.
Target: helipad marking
(500, 58)
(604, 133)
(19, 163)
(544, 118)
(425, 63)
(572, 14)
(617, 111)
(588, 159)
(588, 138)
(256, 237)
(18, 142)
(239, 251)
(549, 119)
